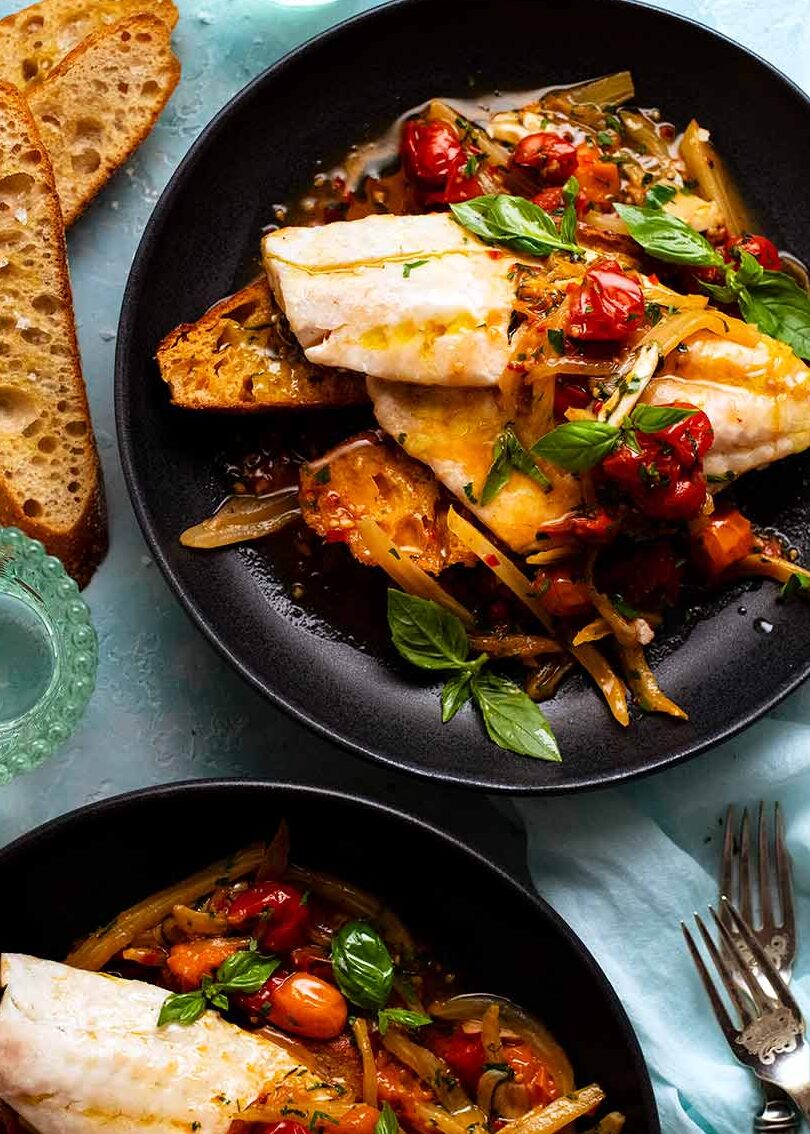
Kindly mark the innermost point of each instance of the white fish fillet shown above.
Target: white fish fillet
(81, 1053)
(454, 432)
(756, 394)
(353, 301)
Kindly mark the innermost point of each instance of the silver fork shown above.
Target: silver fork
(751, 889)
(769, 1037)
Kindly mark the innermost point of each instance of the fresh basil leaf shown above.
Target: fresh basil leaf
(624, 608)
(513, 721)
(387, 1122)
(401, 1016)
(668, 238)
(578, 445)
(557, 339)
(425, 633)
(515, 222)
(658, 195)
(750, 270)
(499, 471)
(568, 223)
(245, 971)
(796, 585)
(182, 1008)
(362, 965)
(780, 308)
(653, 313)
(651, 419)
(455, 694)
(522, 460)
(719, 293)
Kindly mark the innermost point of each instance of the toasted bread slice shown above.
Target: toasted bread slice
(242, 356)
(50, 481)
(35, 39)
(369, 475)
(100, 102)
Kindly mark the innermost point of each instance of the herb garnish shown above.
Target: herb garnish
(580, 445)
(772, 301)
(401, 1016)
(362, 965)
(797, 585)
(411, 266)
(518, 223)
(658, 195)
(509, 454)
(387, 1122)
(557, 339)
(432, 638)
(244, 971)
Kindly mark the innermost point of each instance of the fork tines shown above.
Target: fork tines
(772, 873)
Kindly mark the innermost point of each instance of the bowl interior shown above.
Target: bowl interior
(327, 658)
(80, 872)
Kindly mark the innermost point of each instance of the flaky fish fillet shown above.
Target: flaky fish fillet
(454, 432)
(414, 299)
(81, 1053)
(755, 391)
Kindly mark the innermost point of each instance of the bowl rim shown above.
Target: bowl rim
(127, 447)
(70, 824)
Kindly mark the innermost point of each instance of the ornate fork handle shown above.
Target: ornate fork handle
(777, 1117)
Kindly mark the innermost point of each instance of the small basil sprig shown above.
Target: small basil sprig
(431, 637)
(797, 585)
(244, 971)
(580, 445)
(362, 965)
(402, 1016)
(508, 455)
(517, 223)
(387, 1122)
(771, 301)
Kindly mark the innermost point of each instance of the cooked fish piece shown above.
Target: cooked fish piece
(81, 1052)
(454, 432)
(754, 390)
(413, 299)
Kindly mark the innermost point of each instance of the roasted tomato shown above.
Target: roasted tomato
(190, 961)
(598, 180)
(464, 1054)
(762, 249)
(553, 157)
(307, 1006)
(591, 524)
(280, 911)
(569, 394)
(720, 540)
(647, 575)
(430, 150)
(560, 594)
(607, 306)
(552, 201)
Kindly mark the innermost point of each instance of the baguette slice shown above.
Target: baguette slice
(242, 356)
(97, 106)
(35, 39)
(50, 481)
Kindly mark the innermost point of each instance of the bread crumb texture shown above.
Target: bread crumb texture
(100, 102)
(34, 40)
(49, 475)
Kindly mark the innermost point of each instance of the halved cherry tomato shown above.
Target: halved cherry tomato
(430, 150)
(591, 524)
(551, 200)
(552, 156)
(531, 1072)
(190, 961)
(358, 1119)
(607, 306)
(259, 1004)
(281, 911)
(464, 1053)
(762, 249)
(721, 540)
(459, 186)
(569, 394)
(307, 1006)
(598, 179)
(690, 439)
(560, 595)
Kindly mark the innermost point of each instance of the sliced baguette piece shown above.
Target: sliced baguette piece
(35, 39)
(242, 356)
(97, 106)
(50, 481)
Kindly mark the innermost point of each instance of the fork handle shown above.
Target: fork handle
(778, 1116)
(801, 1097)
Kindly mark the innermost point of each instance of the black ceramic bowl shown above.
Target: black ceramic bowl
(77, 873)
(327, 660)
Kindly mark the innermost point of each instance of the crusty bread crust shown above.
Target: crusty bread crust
(50, 480)
(97, 106)
(34, 40)
(241, 356)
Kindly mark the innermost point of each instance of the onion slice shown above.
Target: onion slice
(243, 518)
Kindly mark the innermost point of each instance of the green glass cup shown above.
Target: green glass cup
(48, 654)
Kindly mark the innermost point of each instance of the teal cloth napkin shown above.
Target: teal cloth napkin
(625, 866)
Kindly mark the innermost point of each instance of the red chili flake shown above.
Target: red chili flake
(653, 278)
(337, 535)
(494, 254)
(492, 560)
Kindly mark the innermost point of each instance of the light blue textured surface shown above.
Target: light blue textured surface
(622, 866)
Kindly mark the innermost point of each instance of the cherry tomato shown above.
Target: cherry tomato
(459, 186)
(358, 1119)
(307, 1006)
(569, 394)
(680, 500)
(589, 524)
(689, 439)
(553, 157)
(560, 595)
(190, 961)
(430, 150)
(607, 306)
(259, 1004)
(531, 1072)
(647, 576)
(551, 200)
(280, 910)
(762, 249)
(465, 1055)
